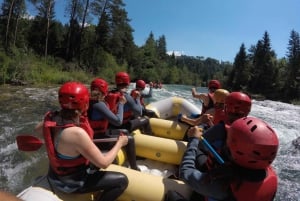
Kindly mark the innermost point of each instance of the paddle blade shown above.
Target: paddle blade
(28, 143)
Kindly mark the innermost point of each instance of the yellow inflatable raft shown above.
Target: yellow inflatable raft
(170, 107)
(141, 187)
(167, 110)
(165, 146)
(159, 149)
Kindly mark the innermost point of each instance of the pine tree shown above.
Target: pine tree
(239, 76)
(292, 85)
(162, 48)
(264, 72)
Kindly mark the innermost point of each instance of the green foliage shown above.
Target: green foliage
(76, 52)
(4, 61)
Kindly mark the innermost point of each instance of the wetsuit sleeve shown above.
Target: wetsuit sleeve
(197, 180)
(136, 106)
(114, 119)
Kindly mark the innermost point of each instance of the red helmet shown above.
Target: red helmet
(238, 103)
(100, 84)
(252, 143)
(74, 95)
(140, 84)
(214, 84)
(122, 78)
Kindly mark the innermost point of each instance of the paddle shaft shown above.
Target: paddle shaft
(105, 140)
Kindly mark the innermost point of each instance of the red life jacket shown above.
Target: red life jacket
(58, 165)
(112, 99)
(133, 94)
(98, 125)
(219, 115)
(256, 191)
(127, 114)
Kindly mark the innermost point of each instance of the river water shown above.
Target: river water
(23, 107)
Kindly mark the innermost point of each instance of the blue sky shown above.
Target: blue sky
(211, 28)
(215, 28)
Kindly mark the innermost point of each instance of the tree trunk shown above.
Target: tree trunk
(72, 16)
(16, 30)
(8, 22)
(81, 34)
(48, 27)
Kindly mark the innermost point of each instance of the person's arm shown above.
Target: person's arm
(135, 106)
(203, 97)
(192, 122)
(5, 196)
(203, 119)
(114, 119)
(149, 95)
(197, 180)
(85, 146)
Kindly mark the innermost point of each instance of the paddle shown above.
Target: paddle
(211, 149)
(32, 143)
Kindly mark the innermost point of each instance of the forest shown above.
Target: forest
(98, 41)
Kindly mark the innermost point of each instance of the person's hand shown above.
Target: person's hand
(208, 119)
(122, 99)
(123, 139)
(183, 118)
(195, 132)
(136, 94)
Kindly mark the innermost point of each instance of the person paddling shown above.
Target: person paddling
(100, 116)
(246, 175)
(68, 138)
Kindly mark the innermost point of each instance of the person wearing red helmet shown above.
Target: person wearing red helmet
(132, 107)
(132, 116)
(71, 151)
(99, 116)
(136, 93)
(246, 175)
(207, 98)
(237, 105)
